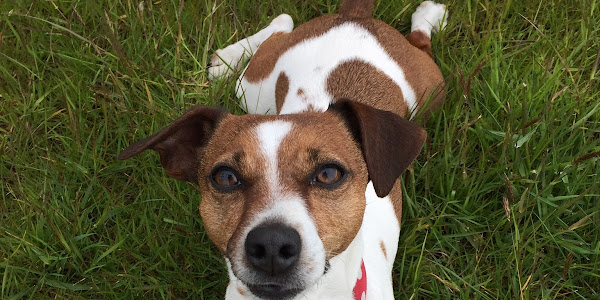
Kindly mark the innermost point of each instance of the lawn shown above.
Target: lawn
(503, 202)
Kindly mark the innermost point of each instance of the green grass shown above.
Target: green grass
(502, 204)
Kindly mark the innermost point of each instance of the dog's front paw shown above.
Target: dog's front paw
(225, 61)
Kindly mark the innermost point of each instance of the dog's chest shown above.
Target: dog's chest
(345, 62)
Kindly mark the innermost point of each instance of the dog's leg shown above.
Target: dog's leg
(429, 17)
(225, 61)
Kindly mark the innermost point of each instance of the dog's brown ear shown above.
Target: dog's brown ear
(389, 143)
(178, 143)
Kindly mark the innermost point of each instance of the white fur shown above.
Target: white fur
(308, 64)
(429, 17)
(270, 135)
(227, 60)
(380, 224)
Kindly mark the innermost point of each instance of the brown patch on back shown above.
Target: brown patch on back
(281, 89)
(383, 249)
(420, 70)
(362, 82)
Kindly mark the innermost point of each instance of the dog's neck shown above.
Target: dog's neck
(345, 269)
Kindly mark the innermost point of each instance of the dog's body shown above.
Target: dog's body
(307, 205)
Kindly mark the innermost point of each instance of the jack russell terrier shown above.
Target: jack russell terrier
(306, 204)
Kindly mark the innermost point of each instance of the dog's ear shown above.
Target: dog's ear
(389, 143)
(178, 143)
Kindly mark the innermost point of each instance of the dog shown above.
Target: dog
(302, 196)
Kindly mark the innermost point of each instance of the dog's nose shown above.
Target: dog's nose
(273, 248)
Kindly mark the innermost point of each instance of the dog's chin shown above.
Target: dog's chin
(274, 291)
(282, 288)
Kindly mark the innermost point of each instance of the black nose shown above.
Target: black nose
(273, 248)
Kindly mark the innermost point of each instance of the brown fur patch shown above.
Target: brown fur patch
(234, 145)
(420, 70)
(241, 291)
(383, 249)
(304, 99)
(357, 8)
(281, 89)
(362, 82)
(178, 143)
(420, 40)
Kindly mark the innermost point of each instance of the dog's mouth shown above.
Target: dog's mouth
(274, 291)
(279, 291)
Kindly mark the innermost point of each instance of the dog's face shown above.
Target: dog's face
(281, 195)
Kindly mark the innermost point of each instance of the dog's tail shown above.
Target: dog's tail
(357, 8)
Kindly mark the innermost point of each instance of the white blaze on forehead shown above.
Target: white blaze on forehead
(270, 134)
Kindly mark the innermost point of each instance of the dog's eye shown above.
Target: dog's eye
(225, 179)
(329, 175)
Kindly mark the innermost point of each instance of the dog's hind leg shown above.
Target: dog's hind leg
(225, 61)
(429, 17)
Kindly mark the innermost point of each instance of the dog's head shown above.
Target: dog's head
(281, 195)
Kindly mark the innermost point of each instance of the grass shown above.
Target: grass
(502, 204)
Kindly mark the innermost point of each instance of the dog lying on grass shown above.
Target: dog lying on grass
(306, 204)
